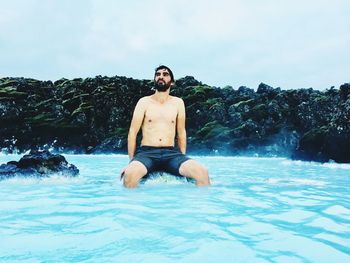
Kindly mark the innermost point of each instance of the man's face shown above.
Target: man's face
(162, 80)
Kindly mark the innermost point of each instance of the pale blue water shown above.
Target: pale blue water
(257, 210)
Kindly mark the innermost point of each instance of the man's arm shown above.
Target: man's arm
(135, 125)
(181, 130)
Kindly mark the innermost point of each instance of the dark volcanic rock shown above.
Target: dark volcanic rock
(38, 164)
(93, 115)
(110, 145)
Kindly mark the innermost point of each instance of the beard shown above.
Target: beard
(161, 86)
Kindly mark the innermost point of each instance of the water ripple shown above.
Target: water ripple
(257, 210)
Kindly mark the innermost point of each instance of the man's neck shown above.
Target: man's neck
(161, 97)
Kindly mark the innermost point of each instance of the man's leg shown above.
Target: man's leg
(133, 173)
(196, 171)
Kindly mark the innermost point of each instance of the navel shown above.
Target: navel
(160, 140)
(149, 120)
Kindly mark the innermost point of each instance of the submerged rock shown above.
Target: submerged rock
(38, 164)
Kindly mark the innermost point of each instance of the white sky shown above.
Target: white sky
(287, 44)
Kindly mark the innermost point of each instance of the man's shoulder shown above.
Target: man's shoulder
(177, 99)
(145, 99)
(179, 102)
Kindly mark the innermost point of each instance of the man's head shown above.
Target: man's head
(163, 78)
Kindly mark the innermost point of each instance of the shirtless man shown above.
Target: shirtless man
(160, 116)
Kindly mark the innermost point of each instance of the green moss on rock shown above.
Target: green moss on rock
(11, 92)
(213, 130)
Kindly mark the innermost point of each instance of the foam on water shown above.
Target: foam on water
(331, 165)
(257, 210)
(337, 165)
(165, 178)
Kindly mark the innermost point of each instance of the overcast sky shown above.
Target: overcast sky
(287, 44)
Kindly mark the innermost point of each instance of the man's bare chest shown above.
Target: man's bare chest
(160, 113)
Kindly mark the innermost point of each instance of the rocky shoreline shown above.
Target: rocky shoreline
(38, 164)
(92, 115)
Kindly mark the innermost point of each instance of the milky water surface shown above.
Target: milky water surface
(257, 210)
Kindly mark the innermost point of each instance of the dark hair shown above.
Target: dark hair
(168, 69)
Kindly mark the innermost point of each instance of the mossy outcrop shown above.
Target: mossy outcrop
(38, 164)
(93, 115)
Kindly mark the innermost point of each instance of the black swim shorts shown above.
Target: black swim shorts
(164, 159)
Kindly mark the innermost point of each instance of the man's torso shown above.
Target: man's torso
(159, 124)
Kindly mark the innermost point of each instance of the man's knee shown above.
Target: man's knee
(133, 174)
(196, 171)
